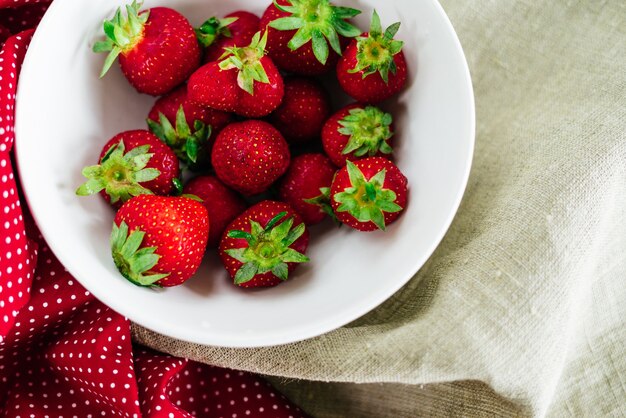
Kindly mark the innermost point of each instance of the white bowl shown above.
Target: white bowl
(65, 113)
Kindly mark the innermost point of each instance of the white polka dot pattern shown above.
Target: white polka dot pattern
(62, 352)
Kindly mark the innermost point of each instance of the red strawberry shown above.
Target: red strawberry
(236, 29)
(356, 132)
(157, 48)
(264, 244)
(159, 240)
(369, 194)
(373, 67)
(249, 156)
(189, 129)
(306, 187)
(301, 30)
(132, 163)
(304, 109)
(246, 82)
(222, 204)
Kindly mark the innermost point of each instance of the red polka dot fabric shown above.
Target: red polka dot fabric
(62, 352)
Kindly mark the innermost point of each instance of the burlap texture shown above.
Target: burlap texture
(521, 310)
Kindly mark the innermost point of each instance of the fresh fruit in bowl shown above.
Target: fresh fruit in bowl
(245, 81)
(157, 47)
(132, 163)
(356, 132)
(306, 36)
(263, 245)
(236, 29)
(373, 67)
(250, 156)
(159, 240)
(207, 121)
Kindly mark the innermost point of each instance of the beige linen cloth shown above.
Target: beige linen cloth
(522, 309)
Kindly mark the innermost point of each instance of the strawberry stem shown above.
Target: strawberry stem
(120, 173)
(369, 130)
(132, 261)
(247, 61)
(268, 248)
(318, 22)
(188, 145)
(122, 33)
(213, 29)
(367, 200)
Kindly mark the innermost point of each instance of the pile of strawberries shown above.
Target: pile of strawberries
(239, 99)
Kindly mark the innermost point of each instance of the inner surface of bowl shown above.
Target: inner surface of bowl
(65, 113)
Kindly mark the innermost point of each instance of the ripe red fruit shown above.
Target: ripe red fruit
(373, 67)
(357, 131)
(132, 163)
(186, 127)
(300, 32)
(159, 241)
(369, 194)
(246, 82)
(236, 29)
(249, 156)
(306, 187)
(157, 48)
(264, 244)
(304, 109)
(222, 204)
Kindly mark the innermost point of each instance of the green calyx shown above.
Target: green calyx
(369, 130)
(212, 29)
(317, 21)
(247, 61)
(375, 52)
(268, 249)
(188, 145)
(323, 201)
(119, 174)
(122, 33)
(367, 200)
(133, 262)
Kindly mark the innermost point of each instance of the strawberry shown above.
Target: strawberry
(236, 29)
(159, 241)
(301, 30)
(157, 48)
(264, 244)
(132, 163)
(306, 187)
(249, 156)
(304, 109)
(222, 204)
(245, 81)
(357, 131)
(189, 129)
(369, 194)
(373, 67)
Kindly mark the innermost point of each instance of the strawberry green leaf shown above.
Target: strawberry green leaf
(212, 29)
(281, 271)
(375, 52)
(122, 33)
(267, 248)
(120, 173)
(247, 61)
(323, 201)
(369, 130)
(187, 144)
(318, 22)
(367, 200)
(246, 273)
(132, 261)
